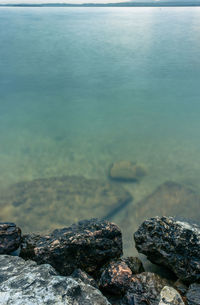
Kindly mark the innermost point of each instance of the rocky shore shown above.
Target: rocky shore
(84, 264)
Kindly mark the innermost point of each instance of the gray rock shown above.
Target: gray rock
(87, 245)
(46, 204)
(26, 283)
(172, 243)
(193, 295)
(170, 296)
(10, 237)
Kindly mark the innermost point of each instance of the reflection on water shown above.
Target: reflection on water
(83, 88)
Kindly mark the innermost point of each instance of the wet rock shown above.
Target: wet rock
(10, 237)
(87, 245)
(84, 277)
(127, 171)
(172, 243)
(134, 263)
(27, 283)
(46, 204)
(170, 296)
(193, 295)
(145, 289)
(115, 277)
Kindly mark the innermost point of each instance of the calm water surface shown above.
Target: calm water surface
(83, 87)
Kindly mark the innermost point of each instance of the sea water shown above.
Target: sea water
(81, 88)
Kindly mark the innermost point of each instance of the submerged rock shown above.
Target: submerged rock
(127, 170)
(193, 295)
(27, 283)
(169, 199)
(87, 245)
(10, 237)
(170, 296)
(172, 243)
(44, 204)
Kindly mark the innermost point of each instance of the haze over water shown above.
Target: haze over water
(81, 88)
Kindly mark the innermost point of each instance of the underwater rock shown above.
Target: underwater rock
(24, 282)
(115, 277)
(170, 296)
(127, 171)
(169, 199)
(193, 294)
(84, 277)
(145, 288)
(172, 243)
(10, 237)
(46, 204)
(87, 245)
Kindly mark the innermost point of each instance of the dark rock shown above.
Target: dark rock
(46, 204)
(172, 243)
(134, 263)
(116, 277)
(193, 295)
(145, 289)
(127, 171)
(181, 287)
(170, 296)
(84, 277)
(10, 237)
(27, 283)
(87, 245)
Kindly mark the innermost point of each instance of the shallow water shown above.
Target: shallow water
(81, 88)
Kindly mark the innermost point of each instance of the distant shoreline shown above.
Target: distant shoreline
(160, 4)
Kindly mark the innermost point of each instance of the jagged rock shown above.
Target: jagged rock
(134, 263)
(26, 283)
(145, 289)
(193, 295)
(10, 237)
(170, 296)
(127, 171)
(116, 277)
(84, 277)
(87, 245)
(172, 243)
(46, 204)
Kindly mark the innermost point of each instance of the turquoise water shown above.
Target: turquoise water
(81, 88)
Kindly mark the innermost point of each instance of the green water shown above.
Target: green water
(81, 88)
